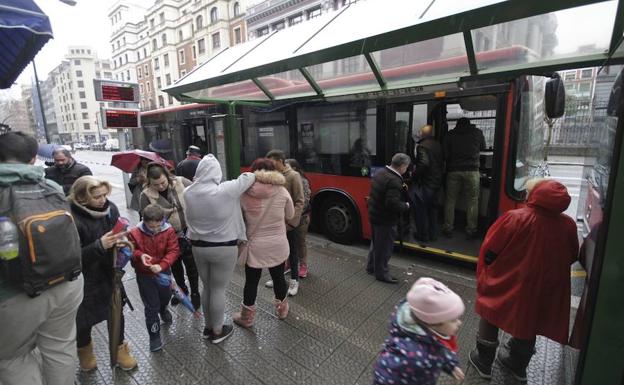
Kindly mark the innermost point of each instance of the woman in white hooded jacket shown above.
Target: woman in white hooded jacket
(215, 227)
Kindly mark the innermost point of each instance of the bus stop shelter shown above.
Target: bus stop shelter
(24, 30)
(439, 42)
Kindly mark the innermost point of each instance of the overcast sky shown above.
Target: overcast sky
(87, 24)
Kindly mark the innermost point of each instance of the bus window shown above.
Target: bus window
(263, 132)
(400, 132)
(484, 120)
(530, 140)
(419, 119)
(337, 139)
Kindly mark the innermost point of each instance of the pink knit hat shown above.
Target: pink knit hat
(433, 303)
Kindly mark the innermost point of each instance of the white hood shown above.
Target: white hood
(213, 211)
(208, 170)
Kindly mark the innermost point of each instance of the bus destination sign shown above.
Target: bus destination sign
(115, 91)
(120, 118)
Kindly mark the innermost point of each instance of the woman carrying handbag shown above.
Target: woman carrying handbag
(266, 208)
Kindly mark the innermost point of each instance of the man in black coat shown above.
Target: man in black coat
(426, 182)
(188, 166)
(65, 170)
(385, 206)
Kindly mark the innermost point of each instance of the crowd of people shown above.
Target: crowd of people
(196, 226)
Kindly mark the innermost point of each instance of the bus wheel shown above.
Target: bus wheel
(339, 220)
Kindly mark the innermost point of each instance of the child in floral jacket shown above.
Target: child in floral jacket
(422, 338)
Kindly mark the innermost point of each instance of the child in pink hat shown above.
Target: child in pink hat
(422, 338)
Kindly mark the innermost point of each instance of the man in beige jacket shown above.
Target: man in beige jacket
(293, 226)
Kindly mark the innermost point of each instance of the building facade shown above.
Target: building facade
(74, 109)
(274, 15)
(158, 45)
(14, 113)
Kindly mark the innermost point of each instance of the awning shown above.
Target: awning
(381, 45)
(24, 29)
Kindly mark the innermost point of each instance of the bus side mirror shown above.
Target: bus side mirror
(555, 97)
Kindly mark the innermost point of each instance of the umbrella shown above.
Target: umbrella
(46, 151)
(128, 161)
(162, 146)
(165, 280)
(24, 30)
(116, 306)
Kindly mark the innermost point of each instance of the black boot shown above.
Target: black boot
(482, 357)
(154, 335)
(515, 357)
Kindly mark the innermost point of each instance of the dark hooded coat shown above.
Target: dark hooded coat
(523, 273)
(97, 263)
(411, 354)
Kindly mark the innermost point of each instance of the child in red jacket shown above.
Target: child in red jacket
(155, 250)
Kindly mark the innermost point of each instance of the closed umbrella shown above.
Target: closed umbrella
(128, 161)
(117, 302)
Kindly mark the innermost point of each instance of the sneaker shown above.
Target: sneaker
(166, 316)
(155, 344)
(207, 335)
(225, 333)
(174, 301)
(303, 270)
(293, 289)
(269, 283)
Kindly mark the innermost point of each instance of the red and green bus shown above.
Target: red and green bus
(340, 143)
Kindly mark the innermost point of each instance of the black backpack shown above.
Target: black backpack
(49, 245)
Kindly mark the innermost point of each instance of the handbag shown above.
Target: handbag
(243, 247)
(186, 249)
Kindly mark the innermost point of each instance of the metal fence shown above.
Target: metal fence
(578, 131)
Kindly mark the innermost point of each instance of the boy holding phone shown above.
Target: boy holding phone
(155, 250)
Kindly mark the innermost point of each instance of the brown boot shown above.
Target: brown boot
(124, 360)
(281, 308)
(246, 316)
(87, 358)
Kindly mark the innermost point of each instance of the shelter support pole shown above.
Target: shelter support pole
(232, 142)
(605, 340)
(43, 118)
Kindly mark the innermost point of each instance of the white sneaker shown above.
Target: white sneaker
(293, 289)
(269, 283)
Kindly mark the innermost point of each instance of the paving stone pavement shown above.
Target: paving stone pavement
(332, 335)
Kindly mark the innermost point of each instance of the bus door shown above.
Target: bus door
(207, 134)
(443, 115)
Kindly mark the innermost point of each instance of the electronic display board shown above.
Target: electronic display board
(114, 91)
(121, 118)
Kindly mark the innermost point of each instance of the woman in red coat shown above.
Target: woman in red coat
(523, 279)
